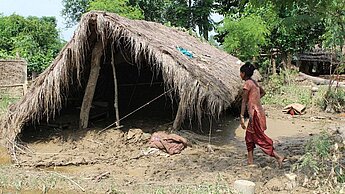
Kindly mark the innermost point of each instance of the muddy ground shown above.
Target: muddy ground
(75, 161)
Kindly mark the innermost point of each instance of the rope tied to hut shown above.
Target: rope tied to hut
(135, 111)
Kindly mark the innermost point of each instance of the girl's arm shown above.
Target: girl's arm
(243, 107)
(262, 92)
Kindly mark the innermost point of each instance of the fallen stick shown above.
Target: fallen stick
(72, 181)
(99, 177)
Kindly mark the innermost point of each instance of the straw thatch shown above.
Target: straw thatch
(318, 56)
(208, 81)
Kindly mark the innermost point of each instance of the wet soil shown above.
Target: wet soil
(73, 161)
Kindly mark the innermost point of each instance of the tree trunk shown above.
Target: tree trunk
(274, 67)
(289, 60)
(321, 81)
(91, 85)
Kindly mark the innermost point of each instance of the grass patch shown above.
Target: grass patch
(282, 90)
(295, 93)
(197, 189)
(5, 102)
(322, 164)
(218, 186)
(193, 189)
(334, 100)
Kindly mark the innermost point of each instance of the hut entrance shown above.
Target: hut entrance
(138, 90)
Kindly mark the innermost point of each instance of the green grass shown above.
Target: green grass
(5, 101)
(322, 161)
(294, 93)
(193, 189)
(218, 186)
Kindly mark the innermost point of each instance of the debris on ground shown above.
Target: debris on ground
(171, 143)
(294, 109)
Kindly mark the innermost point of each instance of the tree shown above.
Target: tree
(34, 39)
(227, 7)
(120, 7)
(202, 10)
(292, 28)
(191, 15)
(244, 36)
(73, 10)
(153, 10)
(179, 13)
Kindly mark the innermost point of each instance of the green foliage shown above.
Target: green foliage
(308, 163)
(153, 10)
(179, 13)
(245, 35)
(120, 7)
(226, 7)
(287, 27)
(320, 146)
(322, 161)
(334, 100)
(5, 101)
(73, 10)
(281, 90)
(32, 38)
(202, 10)
(297, 30)
(306, 23)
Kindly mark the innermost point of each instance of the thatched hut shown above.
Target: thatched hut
(317, 62)
(202, 78)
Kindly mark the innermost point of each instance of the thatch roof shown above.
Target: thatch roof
(208, 81)
(318, 55)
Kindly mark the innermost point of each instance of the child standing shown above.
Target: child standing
(255, 135)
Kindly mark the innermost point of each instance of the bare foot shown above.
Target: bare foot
(280, 161)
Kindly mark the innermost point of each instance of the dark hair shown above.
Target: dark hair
(247, 69)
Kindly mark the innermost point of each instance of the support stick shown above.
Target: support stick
(116, 99)
(91, 85)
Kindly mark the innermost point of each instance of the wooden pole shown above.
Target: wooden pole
(178, 119)
(274, 67)
(116, 99)
(91, 85)
(25, 78)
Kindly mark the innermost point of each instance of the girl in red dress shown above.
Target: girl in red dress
(255, 135)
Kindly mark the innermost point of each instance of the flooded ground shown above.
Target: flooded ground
(70, 161)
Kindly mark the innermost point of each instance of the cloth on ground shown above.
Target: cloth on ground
(170, 143)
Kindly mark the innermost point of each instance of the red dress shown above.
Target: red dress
(257, 120)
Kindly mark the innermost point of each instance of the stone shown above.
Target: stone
(244, 186)
(292, 181)
(275, 184)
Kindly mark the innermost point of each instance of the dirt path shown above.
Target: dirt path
(57, 161)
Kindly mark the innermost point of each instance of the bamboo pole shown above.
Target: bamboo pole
(178, 119)
(91, 85)
(116, 99)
